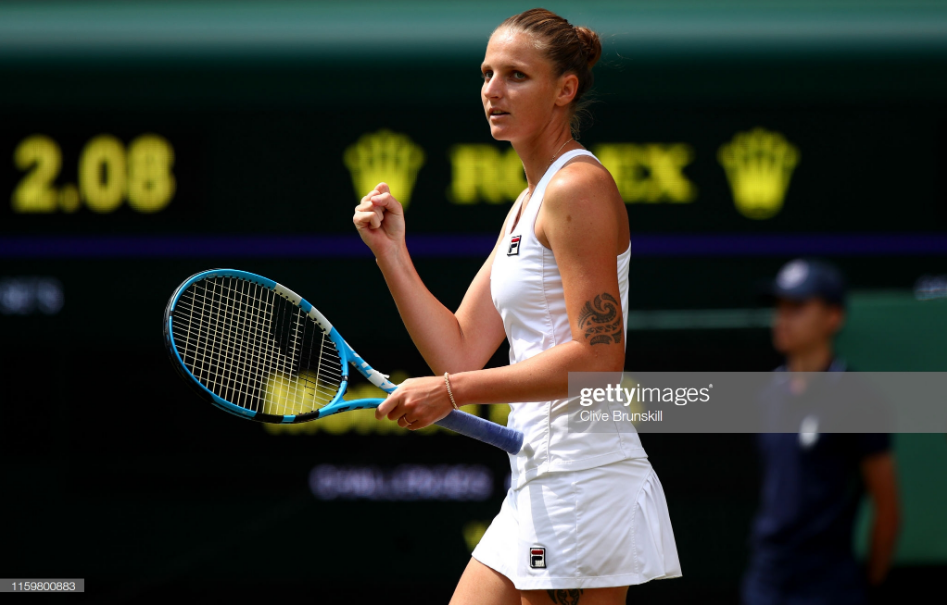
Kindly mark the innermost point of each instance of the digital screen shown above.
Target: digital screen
(752, 171)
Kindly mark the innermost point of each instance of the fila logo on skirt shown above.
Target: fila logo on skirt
(537, 558)
(514, 249)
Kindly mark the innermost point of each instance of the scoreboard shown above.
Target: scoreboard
(717, 170)
(121, 173)
(718, 198)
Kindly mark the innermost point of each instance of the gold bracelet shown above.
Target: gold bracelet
(449, 392)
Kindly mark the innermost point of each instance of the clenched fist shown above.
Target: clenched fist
(379, 219)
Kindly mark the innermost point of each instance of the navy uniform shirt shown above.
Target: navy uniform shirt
(802, 536)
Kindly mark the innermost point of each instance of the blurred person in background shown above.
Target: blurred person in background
(812, 484)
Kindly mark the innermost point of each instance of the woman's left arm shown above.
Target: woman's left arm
(580, 220)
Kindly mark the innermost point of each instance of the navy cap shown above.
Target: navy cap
(804, 279)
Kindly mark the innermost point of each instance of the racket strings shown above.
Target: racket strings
(331, 365)
(255, 349)
(278, 322)
(329, 368)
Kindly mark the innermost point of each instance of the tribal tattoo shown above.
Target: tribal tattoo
(568, 596)
(601, 321)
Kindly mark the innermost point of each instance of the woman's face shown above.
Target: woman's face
(520, 92)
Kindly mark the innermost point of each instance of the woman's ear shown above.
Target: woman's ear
(568, 86)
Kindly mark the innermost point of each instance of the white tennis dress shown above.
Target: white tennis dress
(584, 510)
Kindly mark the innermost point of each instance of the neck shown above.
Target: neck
(538, 152)
(816, 359)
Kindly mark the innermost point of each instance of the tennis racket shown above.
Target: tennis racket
(258, 350)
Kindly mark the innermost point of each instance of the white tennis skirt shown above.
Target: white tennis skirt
(594, 528)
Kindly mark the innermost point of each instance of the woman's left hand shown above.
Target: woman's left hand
(418, 402)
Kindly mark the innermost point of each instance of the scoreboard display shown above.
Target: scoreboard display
(680, 170)
(718, 198)
(119, 177)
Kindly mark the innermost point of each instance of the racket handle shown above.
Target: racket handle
(478, 428)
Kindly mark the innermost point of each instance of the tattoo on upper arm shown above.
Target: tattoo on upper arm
(600, 320)
(568, 596)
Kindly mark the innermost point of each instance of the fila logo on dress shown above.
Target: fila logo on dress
(514, 249)
(537, 558)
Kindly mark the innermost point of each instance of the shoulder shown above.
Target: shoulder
(582, 199)
(581, 182)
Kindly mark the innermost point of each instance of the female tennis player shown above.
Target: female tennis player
(585, 516)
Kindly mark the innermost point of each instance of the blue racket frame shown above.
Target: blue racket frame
(472, 426)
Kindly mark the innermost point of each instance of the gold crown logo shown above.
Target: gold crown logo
(388, 157)
(759, 165)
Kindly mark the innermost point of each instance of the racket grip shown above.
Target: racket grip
(475, 427)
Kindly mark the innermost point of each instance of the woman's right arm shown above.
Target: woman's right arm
(449, 342)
